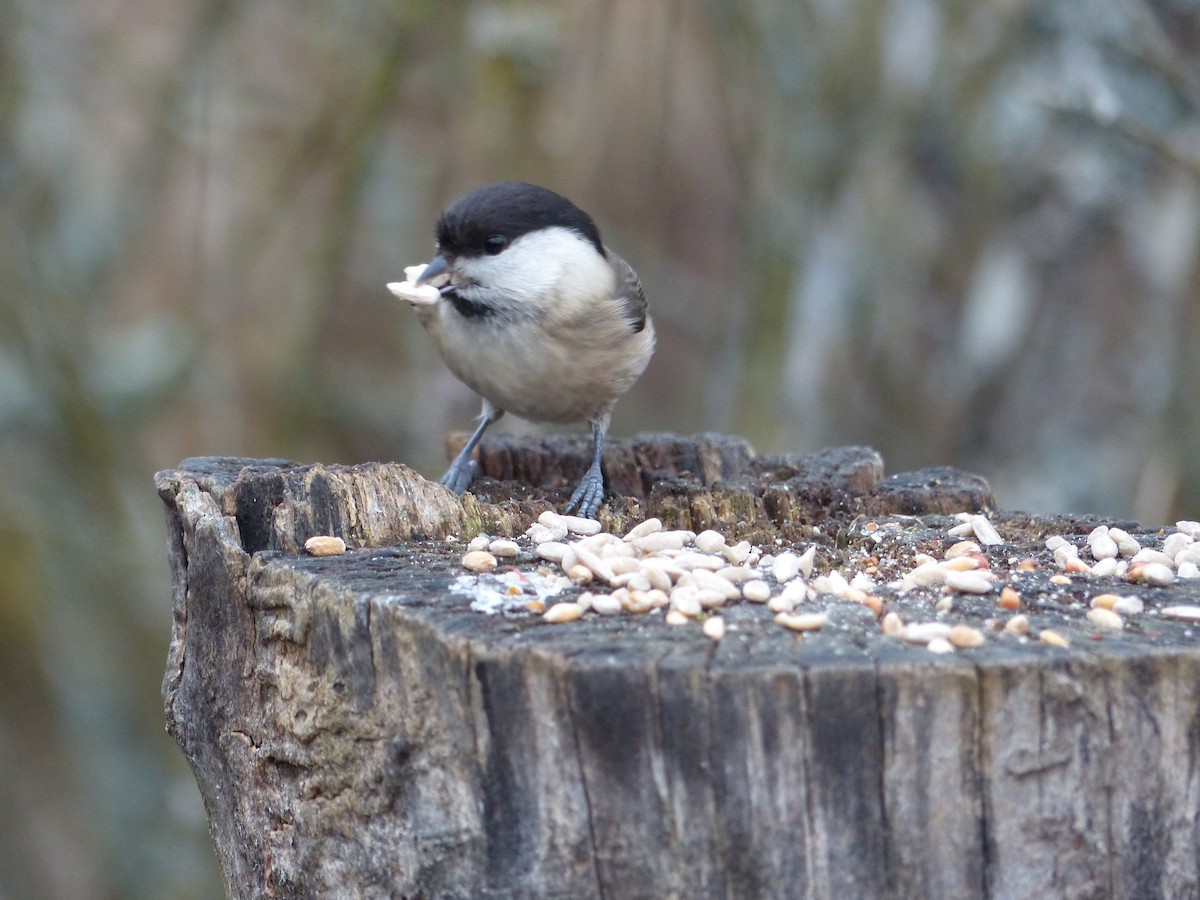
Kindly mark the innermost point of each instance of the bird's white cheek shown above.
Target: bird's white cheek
(540, 266)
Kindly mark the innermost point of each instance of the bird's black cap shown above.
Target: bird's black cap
(508, 209)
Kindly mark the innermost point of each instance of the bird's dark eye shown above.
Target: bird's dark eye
(494, 244)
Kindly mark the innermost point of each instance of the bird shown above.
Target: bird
(530, 309)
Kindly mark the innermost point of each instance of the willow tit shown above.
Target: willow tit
(535, 315)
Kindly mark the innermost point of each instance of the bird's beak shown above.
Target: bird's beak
(437, 266)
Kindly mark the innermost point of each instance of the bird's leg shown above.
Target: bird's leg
(590, 494)
(463, 470)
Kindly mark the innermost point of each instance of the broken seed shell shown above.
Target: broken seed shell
(939, 645)
(675, 617)
(892, 625)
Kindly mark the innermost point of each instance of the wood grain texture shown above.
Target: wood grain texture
(357, 731)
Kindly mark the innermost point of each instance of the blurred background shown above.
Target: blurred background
(963, 233)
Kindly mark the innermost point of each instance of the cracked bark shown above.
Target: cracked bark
(357, 732)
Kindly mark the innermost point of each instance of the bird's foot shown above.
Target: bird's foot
(589, 495)
(460, 474)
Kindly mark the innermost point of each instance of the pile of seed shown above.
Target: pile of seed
(693, 576)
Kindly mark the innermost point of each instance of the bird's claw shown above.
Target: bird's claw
(588, 496)
(460, 475)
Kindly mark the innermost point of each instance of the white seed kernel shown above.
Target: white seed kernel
(785, 567)
(324, 545)
(540, 534)
(985, 531)
(924, 632)
(962, 548)
(580, 574)
(658, 541)
(479, 561)
(650, 526)
(1157, 574)
(503, 548)
(573, 524)
(1126, 543)
(1105, 618)
(965, 637)
(1053, 638)
(563, 612)
(802, 621)
(977, 582)
(606, 604)
(1018, 625)
(807, 558)
(710, 541)
(1183, 613)
(756, 591)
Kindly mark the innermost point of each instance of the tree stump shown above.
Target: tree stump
(358, 731)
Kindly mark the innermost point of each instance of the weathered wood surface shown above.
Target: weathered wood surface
(357, 731)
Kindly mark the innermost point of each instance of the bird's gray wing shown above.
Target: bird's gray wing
(629, 289)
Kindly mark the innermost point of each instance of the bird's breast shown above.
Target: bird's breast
(549, 369)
